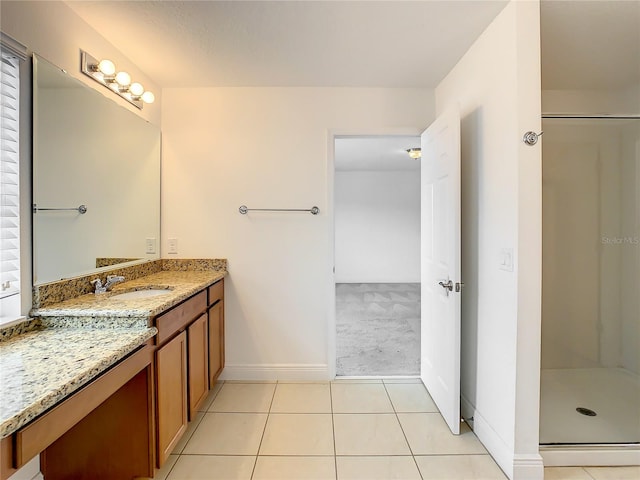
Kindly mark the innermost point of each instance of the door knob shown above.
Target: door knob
(448, 286)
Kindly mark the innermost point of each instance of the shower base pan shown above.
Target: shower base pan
(589, 416)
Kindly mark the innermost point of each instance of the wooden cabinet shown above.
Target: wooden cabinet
(216, 342)
(216, 331)
(189, 358)
(198, 343)
(171, 394)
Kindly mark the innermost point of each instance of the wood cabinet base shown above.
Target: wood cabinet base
(114, 442)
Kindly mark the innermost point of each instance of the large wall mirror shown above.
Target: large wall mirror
(90, 151)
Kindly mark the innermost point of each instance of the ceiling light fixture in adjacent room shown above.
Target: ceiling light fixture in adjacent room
(104, 72)
(415, 153)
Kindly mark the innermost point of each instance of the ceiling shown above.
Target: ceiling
(584, 44)
(292, 43)
(375, 154)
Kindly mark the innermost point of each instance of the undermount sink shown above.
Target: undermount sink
(138, 294)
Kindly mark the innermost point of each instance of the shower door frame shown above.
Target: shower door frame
(590, 454)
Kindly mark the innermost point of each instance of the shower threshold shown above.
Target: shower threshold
(590, 455)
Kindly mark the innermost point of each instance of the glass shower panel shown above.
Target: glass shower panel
(590, 387)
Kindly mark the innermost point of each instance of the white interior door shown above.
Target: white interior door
(440, 277)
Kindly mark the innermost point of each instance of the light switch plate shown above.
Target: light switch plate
(150, 245)
(173, 245)
(506, 259)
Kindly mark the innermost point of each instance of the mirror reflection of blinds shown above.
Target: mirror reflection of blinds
(9, 176)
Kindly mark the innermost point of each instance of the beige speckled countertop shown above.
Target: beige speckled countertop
(115, 313)
(41, 367)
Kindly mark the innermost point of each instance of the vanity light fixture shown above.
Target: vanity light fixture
(136, 89)
(107, 68)
(123, 79)
(104, 72)
(415, 153)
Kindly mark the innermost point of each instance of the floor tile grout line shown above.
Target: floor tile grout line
(584, 469)
(193, 431)
(413, 457)
(222, 384)
(215, 395)
(264, 430)
(333, 428)
(171, 469)
(204, 412)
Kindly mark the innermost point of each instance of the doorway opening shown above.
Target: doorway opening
(377, 256)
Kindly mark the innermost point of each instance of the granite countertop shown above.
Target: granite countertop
(41, 367)
(136, 312)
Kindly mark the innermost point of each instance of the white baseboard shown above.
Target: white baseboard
(277, 371)
(500, 452)
(515, 466)
(590, 456)
(528, 467)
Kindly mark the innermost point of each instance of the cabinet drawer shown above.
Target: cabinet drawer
(178, 317)
(216, 292)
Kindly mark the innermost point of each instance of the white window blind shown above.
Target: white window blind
(9, 177)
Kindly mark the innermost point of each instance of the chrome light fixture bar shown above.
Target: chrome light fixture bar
(104, 72)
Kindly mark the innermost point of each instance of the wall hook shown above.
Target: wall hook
(531, 138)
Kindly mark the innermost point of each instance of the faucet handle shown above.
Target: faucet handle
(99, 287)
(115, 278)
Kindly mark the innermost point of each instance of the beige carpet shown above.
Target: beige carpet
(378, 329)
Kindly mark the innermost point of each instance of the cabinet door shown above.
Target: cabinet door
(171, 394)
(198, 363)
(216, 341)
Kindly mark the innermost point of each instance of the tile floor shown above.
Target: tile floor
(376, 429)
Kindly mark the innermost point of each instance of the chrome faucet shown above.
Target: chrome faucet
(111, 281)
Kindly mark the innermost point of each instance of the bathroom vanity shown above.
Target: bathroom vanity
(105, 385)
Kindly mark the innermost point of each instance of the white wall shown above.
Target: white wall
(377, 226)
(497, 88)
(268, 148)
(625, 100)
(54, 31)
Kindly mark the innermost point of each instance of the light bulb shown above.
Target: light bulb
(106, 67)
(414, 153)
(123, 78)
(136, 89)
(148, 97)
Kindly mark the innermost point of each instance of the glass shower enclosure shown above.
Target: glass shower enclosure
(590, 383)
